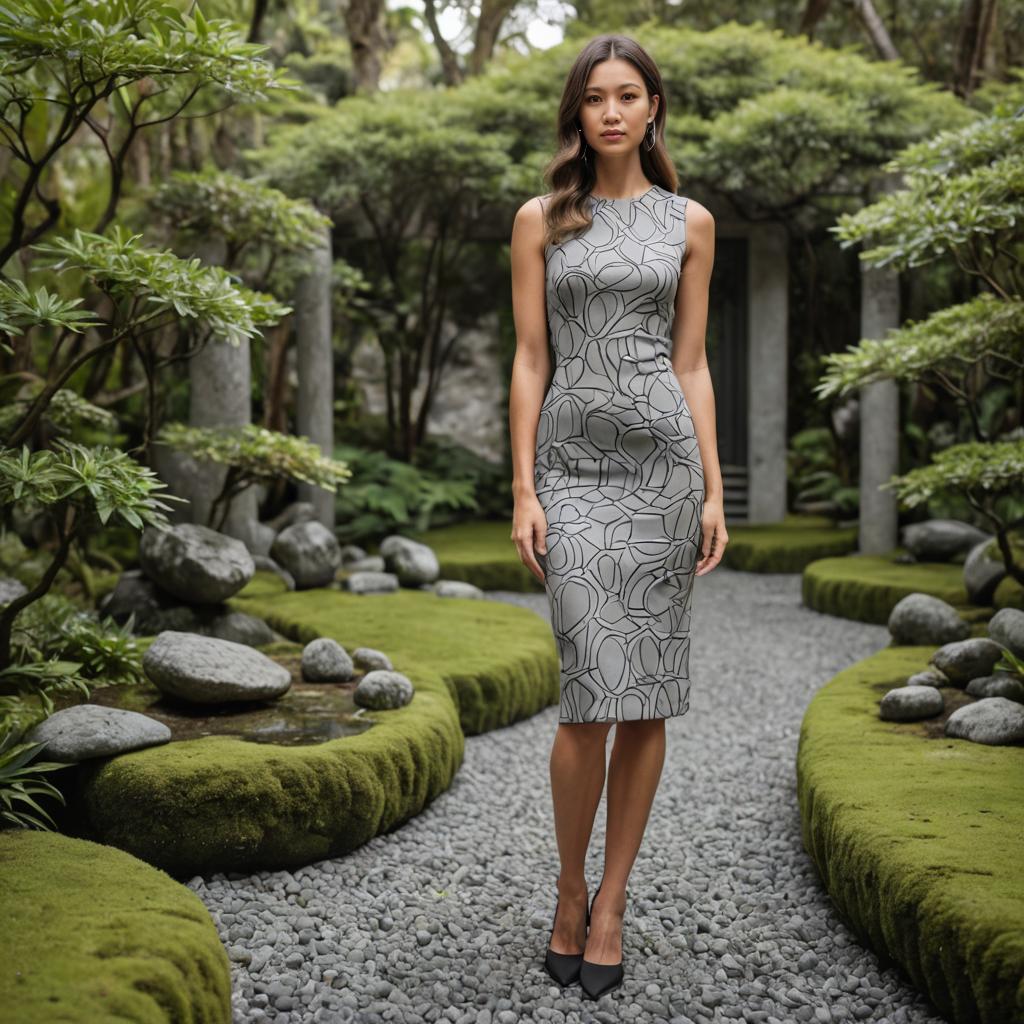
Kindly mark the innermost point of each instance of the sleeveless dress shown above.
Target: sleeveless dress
(617, 466)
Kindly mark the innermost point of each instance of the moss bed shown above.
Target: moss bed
(93, 934)
(221, 803)
(867, 587)
(787, 546)
(917, 838)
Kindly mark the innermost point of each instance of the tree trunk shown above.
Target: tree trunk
(364, 25)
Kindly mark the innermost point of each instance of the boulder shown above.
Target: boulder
(929, 677)
(371, 563)
(296, 512)
(924, 619)
(154, 609)
(964, 660)
(310, 552)
(1006, 627)
(85, 731)
(941, 540)
(382, 690)
(910, 703)
(352, 553)
(261, 539)
(371, 582)
(325, 661)
(240, 627)
(982, 574)
(205, 670)
(993, 720)
(999, 684)
(412, 562)
(367, 658)
(194, 563)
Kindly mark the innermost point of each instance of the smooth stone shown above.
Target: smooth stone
(457, 588)
(267, 564)
(370, 563)
(999, 684)
(993, 720)
(910, 703)
(310, 552)
(941, 540)
(194, 563)
(240, 627)
(982, 574)
(206, 670)
(91, 730)
(325, 661)
(1006, 627)
(964, 660)
(383, 689)
(924, 619)
(371, 582)
(368, 658)
(296, 512)
(351, 553)
(929, 677)
(410, 560)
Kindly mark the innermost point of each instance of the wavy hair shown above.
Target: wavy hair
(570, 173)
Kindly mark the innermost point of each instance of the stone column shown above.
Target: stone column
(314, 414)
(768, 364)
(879, 409)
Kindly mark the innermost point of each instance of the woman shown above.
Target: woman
(617, 485)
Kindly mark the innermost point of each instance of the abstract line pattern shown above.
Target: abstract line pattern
(618, 470)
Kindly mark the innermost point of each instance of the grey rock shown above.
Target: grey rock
(924, 619)
(91, 730)
(206, 670)
(296, 512)
(910, 703)
(982, 574)
(457, 588)
(310, 552)
(371, 563)
(154, 609)
(1006, 627)
(964, 660)
(351, 553)
(941, 540)
(11, 588)
(993, 720)
(267, 564)
(929, 677)
(999, 684)
(325, 661)
(368, 658)
(383, 689)
(371, 582)
(194, 563)
(410, 560)
(261, 539)
(240, 627)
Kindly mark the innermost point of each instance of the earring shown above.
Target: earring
(653, 134)
(583, 144)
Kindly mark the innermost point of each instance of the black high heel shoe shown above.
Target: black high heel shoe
(563, 967)
(597, 979)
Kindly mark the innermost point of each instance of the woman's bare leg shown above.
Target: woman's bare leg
(577, 780)
(634, 770)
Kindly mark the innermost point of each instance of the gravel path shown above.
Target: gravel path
(447, 919)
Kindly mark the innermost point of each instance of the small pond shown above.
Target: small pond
(308, 713)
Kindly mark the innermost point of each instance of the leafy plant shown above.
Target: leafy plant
(20, 784)
(254, 454)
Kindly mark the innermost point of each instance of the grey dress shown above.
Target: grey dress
(618, 470)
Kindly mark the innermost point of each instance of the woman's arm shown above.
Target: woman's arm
(689, 361)
(531, 370)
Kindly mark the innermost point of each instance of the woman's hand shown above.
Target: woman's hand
(529, 531)
(714, 536)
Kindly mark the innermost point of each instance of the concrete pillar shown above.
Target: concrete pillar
(768, 364)
(314, 414)
(879, 409)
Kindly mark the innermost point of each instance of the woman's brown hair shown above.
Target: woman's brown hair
(571, 171)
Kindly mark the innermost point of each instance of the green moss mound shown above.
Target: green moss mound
(867, 587)
(918, 840)
(1009, 594)
(220, 803)
(93, 934)
(787, 546)
(481, 553)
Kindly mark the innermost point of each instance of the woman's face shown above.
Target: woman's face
(616, 108)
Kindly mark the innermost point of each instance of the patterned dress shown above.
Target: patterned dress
(618, 470)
